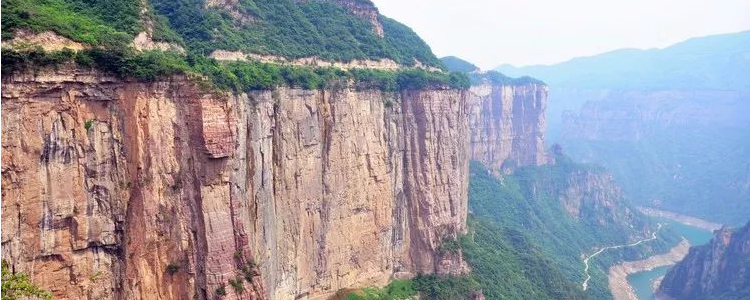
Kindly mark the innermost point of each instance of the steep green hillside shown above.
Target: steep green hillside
(455, 64)
(529, 201)
(112, 23)
(279, 27)
(293, 29)
(505, 265)
(274, 27)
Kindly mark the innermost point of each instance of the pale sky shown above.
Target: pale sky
(524, 32)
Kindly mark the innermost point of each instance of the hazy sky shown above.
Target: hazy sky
(523, 32)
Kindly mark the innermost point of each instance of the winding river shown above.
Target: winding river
(585, 284)
(643, 282)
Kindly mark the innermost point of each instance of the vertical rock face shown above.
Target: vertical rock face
(593, 196)
(718, 270)
(507, 125)
(161, 190)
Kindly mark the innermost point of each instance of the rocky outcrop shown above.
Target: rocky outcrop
(381, 64)
(718, 270)
(507, 125)
(232, 7)
(618, 274)
(47, 40)
(115, 189)
(594, 196)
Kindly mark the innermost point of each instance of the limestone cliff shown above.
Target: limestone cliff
(118, 189)
(507, 125)
(718, 270)
(657, 144)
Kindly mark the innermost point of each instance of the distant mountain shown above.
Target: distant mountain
(455, 64)
(670, 124)
(718, 270)
(712, 62)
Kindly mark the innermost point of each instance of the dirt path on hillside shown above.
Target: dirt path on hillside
(585, 284)
(618, 274)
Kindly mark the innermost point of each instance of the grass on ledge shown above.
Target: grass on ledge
(232, 76)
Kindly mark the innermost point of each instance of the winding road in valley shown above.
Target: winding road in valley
(585, 283)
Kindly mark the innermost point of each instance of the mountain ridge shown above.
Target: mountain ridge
(629, 67)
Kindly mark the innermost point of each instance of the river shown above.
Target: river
(642, 282)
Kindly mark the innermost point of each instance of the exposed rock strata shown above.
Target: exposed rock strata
(47, 40)
(594, 196)
(718, 270)
(507, 125)
(161, 190)
(381, 64)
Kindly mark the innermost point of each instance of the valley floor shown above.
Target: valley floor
(618, 274)
(585, 283)
(687, 220)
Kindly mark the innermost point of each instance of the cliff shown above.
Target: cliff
(718, 270)
(163, 190)
(667, 136)
(507, 125)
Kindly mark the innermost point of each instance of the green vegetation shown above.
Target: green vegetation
(107, 23)
(432, 287)
(294, 30)
(497, 78)
(221, 291)
(507, 265)
(237, 284)
(444, 287)
(278, 27)
(233, 76)
(396, 290)
(88, 124)
(455, 64)
(249, 270)
(529, 201)
(18, 286)
(451, 246)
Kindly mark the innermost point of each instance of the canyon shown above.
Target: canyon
(117, 188)
(717, 270)
(618, 274)
(670, 124)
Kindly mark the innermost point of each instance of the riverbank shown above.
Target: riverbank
(585, 283)
(687, 220)
(618, 274)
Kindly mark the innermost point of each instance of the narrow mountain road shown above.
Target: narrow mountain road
(585, 283)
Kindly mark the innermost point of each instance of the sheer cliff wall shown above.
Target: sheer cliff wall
(507, 125)
(116, 189)
(130, 190)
